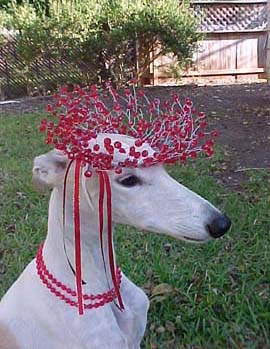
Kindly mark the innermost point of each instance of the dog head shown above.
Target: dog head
(144, 197)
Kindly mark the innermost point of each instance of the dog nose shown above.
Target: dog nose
(219, 226)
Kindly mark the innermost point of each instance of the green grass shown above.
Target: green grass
(220, 291)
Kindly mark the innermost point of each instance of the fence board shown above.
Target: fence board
(247, 53)
(234, 42)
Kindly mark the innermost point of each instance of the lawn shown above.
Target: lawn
(212, 296)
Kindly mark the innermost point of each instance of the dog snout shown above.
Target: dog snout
(219, 225)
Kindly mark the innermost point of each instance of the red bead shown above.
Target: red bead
(183, 157)
(123, 130)
(209, 151)
(201, 134)
(96, 147)
(64, 90)
(88, 173)
(201, 115)
(188, 101)
(118, 170)
(117, 145)
(156, 102)
(107, 141)
(116, 107)
(194, 143)
(110, 149)
(42, 128)
(193, 154)
(166, 104)
(133, 81)
(131, 151)
(214, 133)
(203, 124)
(175, 97)
(49, 108)
(138, 143)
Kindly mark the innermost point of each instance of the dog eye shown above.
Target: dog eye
(130, 181)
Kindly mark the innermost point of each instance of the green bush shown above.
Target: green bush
(3, 3)
(113, 37)
(36, 3)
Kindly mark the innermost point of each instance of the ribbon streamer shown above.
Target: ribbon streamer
(110, 240)
(101, 225)
(104, 183)
(77, 229)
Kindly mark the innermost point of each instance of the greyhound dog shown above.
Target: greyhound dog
(31, 317)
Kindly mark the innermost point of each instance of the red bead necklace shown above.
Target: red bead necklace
(66, 294)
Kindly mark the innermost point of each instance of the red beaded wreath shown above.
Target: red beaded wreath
(174, 131)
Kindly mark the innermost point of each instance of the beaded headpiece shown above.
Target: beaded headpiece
(164, 132)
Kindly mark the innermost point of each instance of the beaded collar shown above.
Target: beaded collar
(69, 296)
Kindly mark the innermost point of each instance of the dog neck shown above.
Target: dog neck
(59, 245)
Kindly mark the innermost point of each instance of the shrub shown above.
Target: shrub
(105, 39)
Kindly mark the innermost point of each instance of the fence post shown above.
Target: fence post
(268, 43)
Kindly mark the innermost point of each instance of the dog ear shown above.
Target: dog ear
(49, 169)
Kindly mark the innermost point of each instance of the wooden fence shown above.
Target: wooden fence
(51, 69)
(234, 44)
(45, 73)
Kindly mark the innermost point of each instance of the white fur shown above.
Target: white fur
(38, 319)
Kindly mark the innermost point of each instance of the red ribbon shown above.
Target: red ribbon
(65, 194)
(110, 237)
(101, 200)
(77, 228)
(104, 183)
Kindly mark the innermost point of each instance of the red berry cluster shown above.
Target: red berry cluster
(174, 131)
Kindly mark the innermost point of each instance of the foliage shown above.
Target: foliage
(4, 16)
(3, 3)
(31, 37)
(36, 3)
(115, 36)
(210, 296)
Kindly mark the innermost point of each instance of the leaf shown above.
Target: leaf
(161, 292)
(170, 326)
(160, 330)
(162, 289)
(158, 299)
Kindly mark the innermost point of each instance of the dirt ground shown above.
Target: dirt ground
(240, 112)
